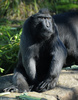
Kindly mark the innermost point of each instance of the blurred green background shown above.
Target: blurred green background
(13, 13)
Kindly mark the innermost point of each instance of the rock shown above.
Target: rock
(5, 81)
(66, 89)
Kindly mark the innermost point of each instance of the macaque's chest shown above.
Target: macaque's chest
(43, 62)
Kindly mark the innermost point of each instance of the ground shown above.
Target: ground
(67, 87)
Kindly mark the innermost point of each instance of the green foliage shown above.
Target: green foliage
(6, 6)
(9, 46)
(73, 67)
(26, 97)
(1, 70)
(65, 5)
(46, 4)
(35, 4)
(24, 8)
(58, 6)
(17, 8)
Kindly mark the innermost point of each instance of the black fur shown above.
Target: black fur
(41, 56)
(68, 30)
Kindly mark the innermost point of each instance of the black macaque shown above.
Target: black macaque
(68, 30)
(41, 56)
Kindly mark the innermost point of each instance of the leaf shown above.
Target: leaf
(1, 70)
(0, 50)
(26, 97)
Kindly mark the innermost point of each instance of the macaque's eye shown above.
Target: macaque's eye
(48, 17)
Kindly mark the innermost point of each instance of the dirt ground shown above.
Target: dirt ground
(66, 89)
